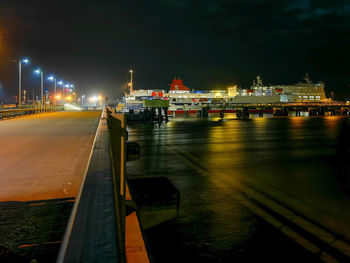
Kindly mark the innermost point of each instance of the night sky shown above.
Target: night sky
(210, 44)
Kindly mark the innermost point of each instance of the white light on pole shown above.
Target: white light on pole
(53, 78)
(131, 83)
(60, 83)
(38, 71)
(25, 61)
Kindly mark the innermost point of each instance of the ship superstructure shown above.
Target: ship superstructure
(300, 92)
(180, 96)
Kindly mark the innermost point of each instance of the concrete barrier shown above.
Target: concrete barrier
(99, 229)
(28, 109)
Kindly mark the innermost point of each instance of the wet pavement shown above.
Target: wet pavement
(43, 160)
(33, 230)
(261, 188)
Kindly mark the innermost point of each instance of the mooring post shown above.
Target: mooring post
(246, 112)
(166, 114)
(222, 114)
(159, 114)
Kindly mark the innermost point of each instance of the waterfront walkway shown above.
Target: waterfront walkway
(44, 156)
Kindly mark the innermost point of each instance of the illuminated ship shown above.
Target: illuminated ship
(300, 92)
(182, 98)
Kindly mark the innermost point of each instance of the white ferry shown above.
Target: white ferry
(182, 98)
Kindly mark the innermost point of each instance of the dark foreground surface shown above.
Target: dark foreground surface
(33, 230)
(43, 160)
(263, 189)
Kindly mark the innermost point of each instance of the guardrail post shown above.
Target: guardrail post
(117, 129)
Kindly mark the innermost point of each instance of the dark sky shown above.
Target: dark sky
(210, 44)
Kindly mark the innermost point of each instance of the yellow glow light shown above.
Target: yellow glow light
(93, 99)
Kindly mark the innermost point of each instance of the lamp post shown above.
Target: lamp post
(60, 83)
(38, 71)
(25, 61)
(66, 87)
(53, 78)
(131, 83)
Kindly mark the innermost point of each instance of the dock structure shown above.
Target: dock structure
(277, 109)
(153, 111)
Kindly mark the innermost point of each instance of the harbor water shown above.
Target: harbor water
(223, 168)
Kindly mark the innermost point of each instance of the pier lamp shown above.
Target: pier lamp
(60, 83)
(24, 61)
(131, 83)
(53, 78)
(41, 73)
(82, 100)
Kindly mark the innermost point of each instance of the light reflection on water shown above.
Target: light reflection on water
(292, 155)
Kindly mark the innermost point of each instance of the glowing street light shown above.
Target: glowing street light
(38, 71)
(93, 98)
(131, 83)
(53, 78)
(82, 100)
(60, 83)
(25, 61)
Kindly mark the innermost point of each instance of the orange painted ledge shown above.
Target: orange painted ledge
(134, 244)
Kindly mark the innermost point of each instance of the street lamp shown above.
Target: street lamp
(131, 84)
(25, 61)
(53, 78)
(60, 83)
(82, 100)
(38, 71)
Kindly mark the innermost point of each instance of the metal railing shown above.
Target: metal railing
(27, 109)
(118, 137)
(96, 229)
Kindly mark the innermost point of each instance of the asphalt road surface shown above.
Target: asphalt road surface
(43, 159)
(44, 156)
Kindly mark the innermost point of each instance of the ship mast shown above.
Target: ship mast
(307, 78)
(259, 81)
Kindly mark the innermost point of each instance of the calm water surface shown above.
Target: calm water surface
(288, 159)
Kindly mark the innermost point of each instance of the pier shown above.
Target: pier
(277, 109)
(71, 167)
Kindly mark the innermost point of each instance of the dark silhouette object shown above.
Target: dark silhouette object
(342, 161)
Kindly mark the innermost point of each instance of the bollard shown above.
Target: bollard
(159, 114)
(166, 114)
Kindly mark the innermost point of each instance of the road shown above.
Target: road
(44, 156)
(43, 160)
